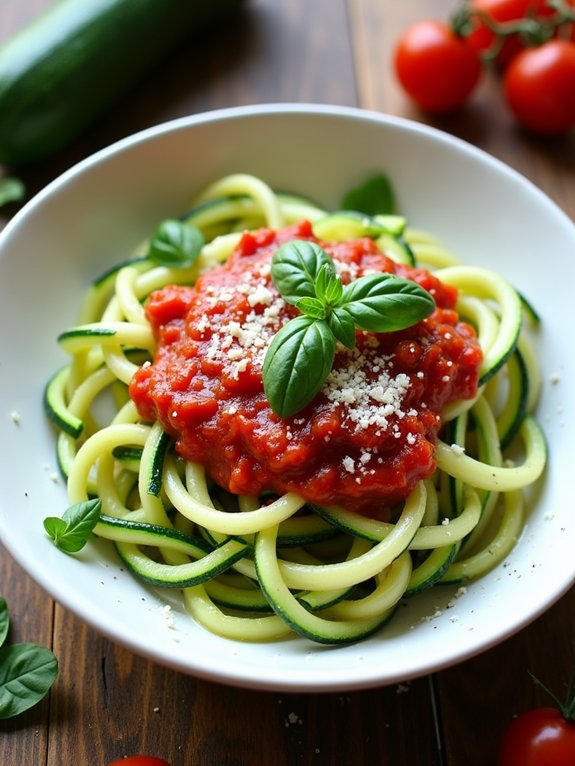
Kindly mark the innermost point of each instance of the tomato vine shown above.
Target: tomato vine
(529, 43)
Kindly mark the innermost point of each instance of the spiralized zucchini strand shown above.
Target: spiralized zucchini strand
(263, 568)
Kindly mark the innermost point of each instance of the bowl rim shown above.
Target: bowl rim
(239, 112)
(184, 122)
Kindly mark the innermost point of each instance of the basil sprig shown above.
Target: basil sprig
(300, 356)
(71, 532)
(27, 671)
(175, 244)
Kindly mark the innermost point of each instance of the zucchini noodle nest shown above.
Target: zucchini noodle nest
(262, 569)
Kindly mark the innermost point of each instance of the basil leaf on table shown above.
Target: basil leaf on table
(4, 620)
(27, 671)
(297, 363)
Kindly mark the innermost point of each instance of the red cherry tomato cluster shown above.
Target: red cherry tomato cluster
(531, 43)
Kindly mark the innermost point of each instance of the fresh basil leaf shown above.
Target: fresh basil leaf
(342, 326)
(295, 269)
(328, 287)
(384, 302)
(296, 364)
(301, 354)
(372, 197)
(56, 528)
(27, 671)
(176, 244)
(4, 620)
(11, 190)
(313, 307)
(71, 532)
(333, 292)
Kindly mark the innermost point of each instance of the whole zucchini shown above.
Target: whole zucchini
(76, 59)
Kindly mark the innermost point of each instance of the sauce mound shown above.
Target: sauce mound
(368, 436)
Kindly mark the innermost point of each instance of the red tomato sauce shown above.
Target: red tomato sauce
(365, 440)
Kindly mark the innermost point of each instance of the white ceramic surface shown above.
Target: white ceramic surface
(96, 212)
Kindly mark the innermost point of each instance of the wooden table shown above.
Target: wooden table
(107, 702)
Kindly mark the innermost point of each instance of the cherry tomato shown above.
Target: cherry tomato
(539, 86)
(139, 760)
(435, 67)
(539, 737)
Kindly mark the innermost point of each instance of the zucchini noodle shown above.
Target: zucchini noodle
(266, 568)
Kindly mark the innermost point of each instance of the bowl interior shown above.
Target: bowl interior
(96, 213)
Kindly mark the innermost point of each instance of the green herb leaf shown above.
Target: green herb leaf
(11, 190)
(374, 196)
(27, 671)
(342, 326)
(301, 354)
(333, 293)
(328, 287)
(4, 620)
(313, 307)
(71, 532)
(295, 269)
(296, 364)
(176, 244)
(385, 303)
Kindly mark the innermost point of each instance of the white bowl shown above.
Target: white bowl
(96, 212)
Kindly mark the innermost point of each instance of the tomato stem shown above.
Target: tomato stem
(566, 708)
(533, 31)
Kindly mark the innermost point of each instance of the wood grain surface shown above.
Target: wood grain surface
(107, 702)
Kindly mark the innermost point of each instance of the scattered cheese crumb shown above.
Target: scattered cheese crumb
(168, 617)
(292, 719)
(459, 592)
(430, 617)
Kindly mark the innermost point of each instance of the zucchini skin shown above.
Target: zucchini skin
(75, 61)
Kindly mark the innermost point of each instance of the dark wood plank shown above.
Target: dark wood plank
(113, 703)
(116, 703)
(24, 739)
